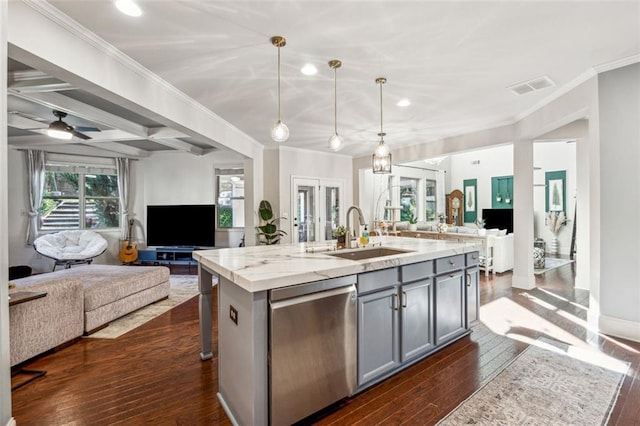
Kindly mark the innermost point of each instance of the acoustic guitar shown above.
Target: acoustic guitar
(129, 252)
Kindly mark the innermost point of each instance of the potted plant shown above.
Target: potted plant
(480, 225)
(413, 223)
(340, 234)
(268, 232)
(555, 222)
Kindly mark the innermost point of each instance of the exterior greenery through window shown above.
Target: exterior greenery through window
(430, 199)
(408, 193)
(79, 199)
(230, 198)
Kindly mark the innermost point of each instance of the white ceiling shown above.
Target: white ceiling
(453, 60)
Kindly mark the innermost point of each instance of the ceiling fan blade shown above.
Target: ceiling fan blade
(87, 129)
(80, 135)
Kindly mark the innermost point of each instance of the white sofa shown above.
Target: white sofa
(500, 242)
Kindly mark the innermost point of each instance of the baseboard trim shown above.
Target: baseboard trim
(524, 282)
(617, 327)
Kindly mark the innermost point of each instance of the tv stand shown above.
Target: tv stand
(166, 256)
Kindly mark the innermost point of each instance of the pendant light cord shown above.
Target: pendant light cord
(279, 84)
(381, 131)
(335, 101)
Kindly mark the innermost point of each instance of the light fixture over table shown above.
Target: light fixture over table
(279, 131)
(335, 141)
(381, 159)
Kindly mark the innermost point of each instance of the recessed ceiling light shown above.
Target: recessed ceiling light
(128, 7)
(309, 69)
(404, 103)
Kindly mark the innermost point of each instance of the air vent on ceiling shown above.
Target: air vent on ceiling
(531, 85)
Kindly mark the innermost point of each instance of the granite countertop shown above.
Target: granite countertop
(260, 268)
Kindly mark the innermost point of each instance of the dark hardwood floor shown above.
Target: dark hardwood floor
(153, 375)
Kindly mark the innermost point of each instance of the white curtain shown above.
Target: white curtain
(122, 168)
(35, 177)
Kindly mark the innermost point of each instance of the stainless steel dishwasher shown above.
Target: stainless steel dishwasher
(312, 347)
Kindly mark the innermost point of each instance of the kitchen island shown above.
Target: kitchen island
(302, 325)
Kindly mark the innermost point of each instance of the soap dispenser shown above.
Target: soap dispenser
(364, 240)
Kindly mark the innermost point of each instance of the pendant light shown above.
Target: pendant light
(279, 131)
(381, 159)
(335, 141)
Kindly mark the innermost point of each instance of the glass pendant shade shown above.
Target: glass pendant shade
(382, 150)
(280, 132)
(336, 143)
(381, 158)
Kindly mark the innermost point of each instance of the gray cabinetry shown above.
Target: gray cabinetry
(473, 287)
(378, 334)
(395, 323)
(417, 324)
(450, 298)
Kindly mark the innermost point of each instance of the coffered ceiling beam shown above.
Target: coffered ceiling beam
(80, 109)
(179, 145)
(96, 67)
(33, 81)
(55, 145)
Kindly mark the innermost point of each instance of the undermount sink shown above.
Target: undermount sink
(361, 254)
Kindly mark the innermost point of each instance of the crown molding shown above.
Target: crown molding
(585, 76)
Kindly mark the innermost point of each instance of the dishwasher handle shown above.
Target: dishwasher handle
(314, 296)
(312, 287)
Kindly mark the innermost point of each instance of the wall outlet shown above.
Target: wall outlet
(233, 314)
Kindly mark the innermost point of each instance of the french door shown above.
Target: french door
(317, 207)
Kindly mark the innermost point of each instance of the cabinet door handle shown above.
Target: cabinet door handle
(468, 280)
(452, 263)
(395, 302)
(404, 299)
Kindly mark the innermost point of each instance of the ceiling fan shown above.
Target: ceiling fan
(61, 130)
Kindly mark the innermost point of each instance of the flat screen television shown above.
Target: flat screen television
(181, 225)
(498, 218)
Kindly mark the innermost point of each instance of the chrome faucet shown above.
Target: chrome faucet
(347, 240)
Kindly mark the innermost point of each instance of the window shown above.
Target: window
(431, 206)
(230, 198)
(77, 197)
(408, 193)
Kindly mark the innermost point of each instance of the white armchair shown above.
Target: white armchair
(69, 248)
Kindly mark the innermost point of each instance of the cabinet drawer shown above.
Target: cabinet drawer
(473, 258)
(417, 271)
(451, 263)
(376, 280)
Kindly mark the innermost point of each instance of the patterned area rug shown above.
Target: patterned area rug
(550, 383)
(552, 263)
(183, 288)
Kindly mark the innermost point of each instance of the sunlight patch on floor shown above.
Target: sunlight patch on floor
(550, 293)
(505, 317)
